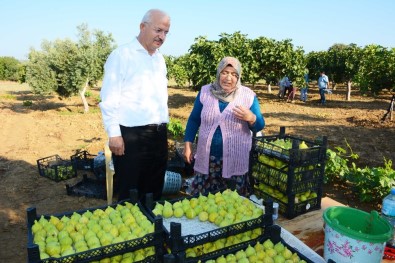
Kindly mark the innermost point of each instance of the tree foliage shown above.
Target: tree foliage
(317, 61)
(343, 62)
(264, 59)
(204, 56)
(66, 67)
(11, 69)
(176, 69)
(371, 68)
(376, 70)
(239, 46)
(39, 75)
(261, 59)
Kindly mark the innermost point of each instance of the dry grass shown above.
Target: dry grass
(11, 87)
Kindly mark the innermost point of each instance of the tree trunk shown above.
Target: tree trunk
(82, 94)
(269, 88)
(348, 93)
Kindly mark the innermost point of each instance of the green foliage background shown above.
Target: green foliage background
(66, 68)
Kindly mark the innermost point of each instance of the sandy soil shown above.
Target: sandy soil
(54, 126)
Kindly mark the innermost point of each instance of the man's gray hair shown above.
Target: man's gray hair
(148, 16)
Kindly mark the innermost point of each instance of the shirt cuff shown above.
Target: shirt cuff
(114, 131)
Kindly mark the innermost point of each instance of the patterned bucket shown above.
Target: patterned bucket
(352, 235)
(172, 183)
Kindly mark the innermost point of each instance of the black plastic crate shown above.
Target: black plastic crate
(181, 244)
(180, 149)
(177, 242)
(288, 149)
(286, 178)
(177, 163)
(153, 240)
(88, 187)
(83, 160)
(272, 232)
(56, 168)
(282, 170)
(294, 206)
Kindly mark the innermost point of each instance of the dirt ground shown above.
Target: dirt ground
(54, 126)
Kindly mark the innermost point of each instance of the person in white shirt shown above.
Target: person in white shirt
(135, 110)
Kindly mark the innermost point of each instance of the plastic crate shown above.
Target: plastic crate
(56, 168)
(286, 178)
(83, 160)
(152, 240)
(293, 207)
(180, 148)
(178, 242)
(281, 170)
(187, 168)
(389, 252)
(176, 164)
(272, 232)
(289, 150)
(88, 187)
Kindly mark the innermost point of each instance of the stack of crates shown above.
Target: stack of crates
(113, 235)
(192, 240)
(92, 186)
(289, 170)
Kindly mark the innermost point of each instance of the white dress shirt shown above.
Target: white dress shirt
(134, 90)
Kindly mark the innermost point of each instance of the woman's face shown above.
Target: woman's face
(228, 78)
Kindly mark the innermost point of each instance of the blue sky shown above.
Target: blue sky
(313, 25)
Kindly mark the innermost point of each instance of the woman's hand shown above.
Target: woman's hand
(244, 114)
(188, 152)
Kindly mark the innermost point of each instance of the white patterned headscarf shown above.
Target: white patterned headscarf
(216, 88)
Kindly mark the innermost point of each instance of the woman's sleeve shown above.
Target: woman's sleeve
(193, 123)
(260, 120)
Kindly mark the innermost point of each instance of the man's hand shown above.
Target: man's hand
(116, 145)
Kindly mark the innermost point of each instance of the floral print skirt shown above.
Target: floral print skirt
(214, 182)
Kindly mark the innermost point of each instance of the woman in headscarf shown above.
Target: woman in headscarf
(226, 114)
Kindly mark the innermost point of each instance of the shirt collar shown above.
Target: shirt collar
(140, 47)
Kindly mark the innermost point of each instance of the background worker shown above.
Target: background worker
(323, 83)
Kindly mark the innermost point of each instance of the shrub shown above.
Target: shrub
(175, 128)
